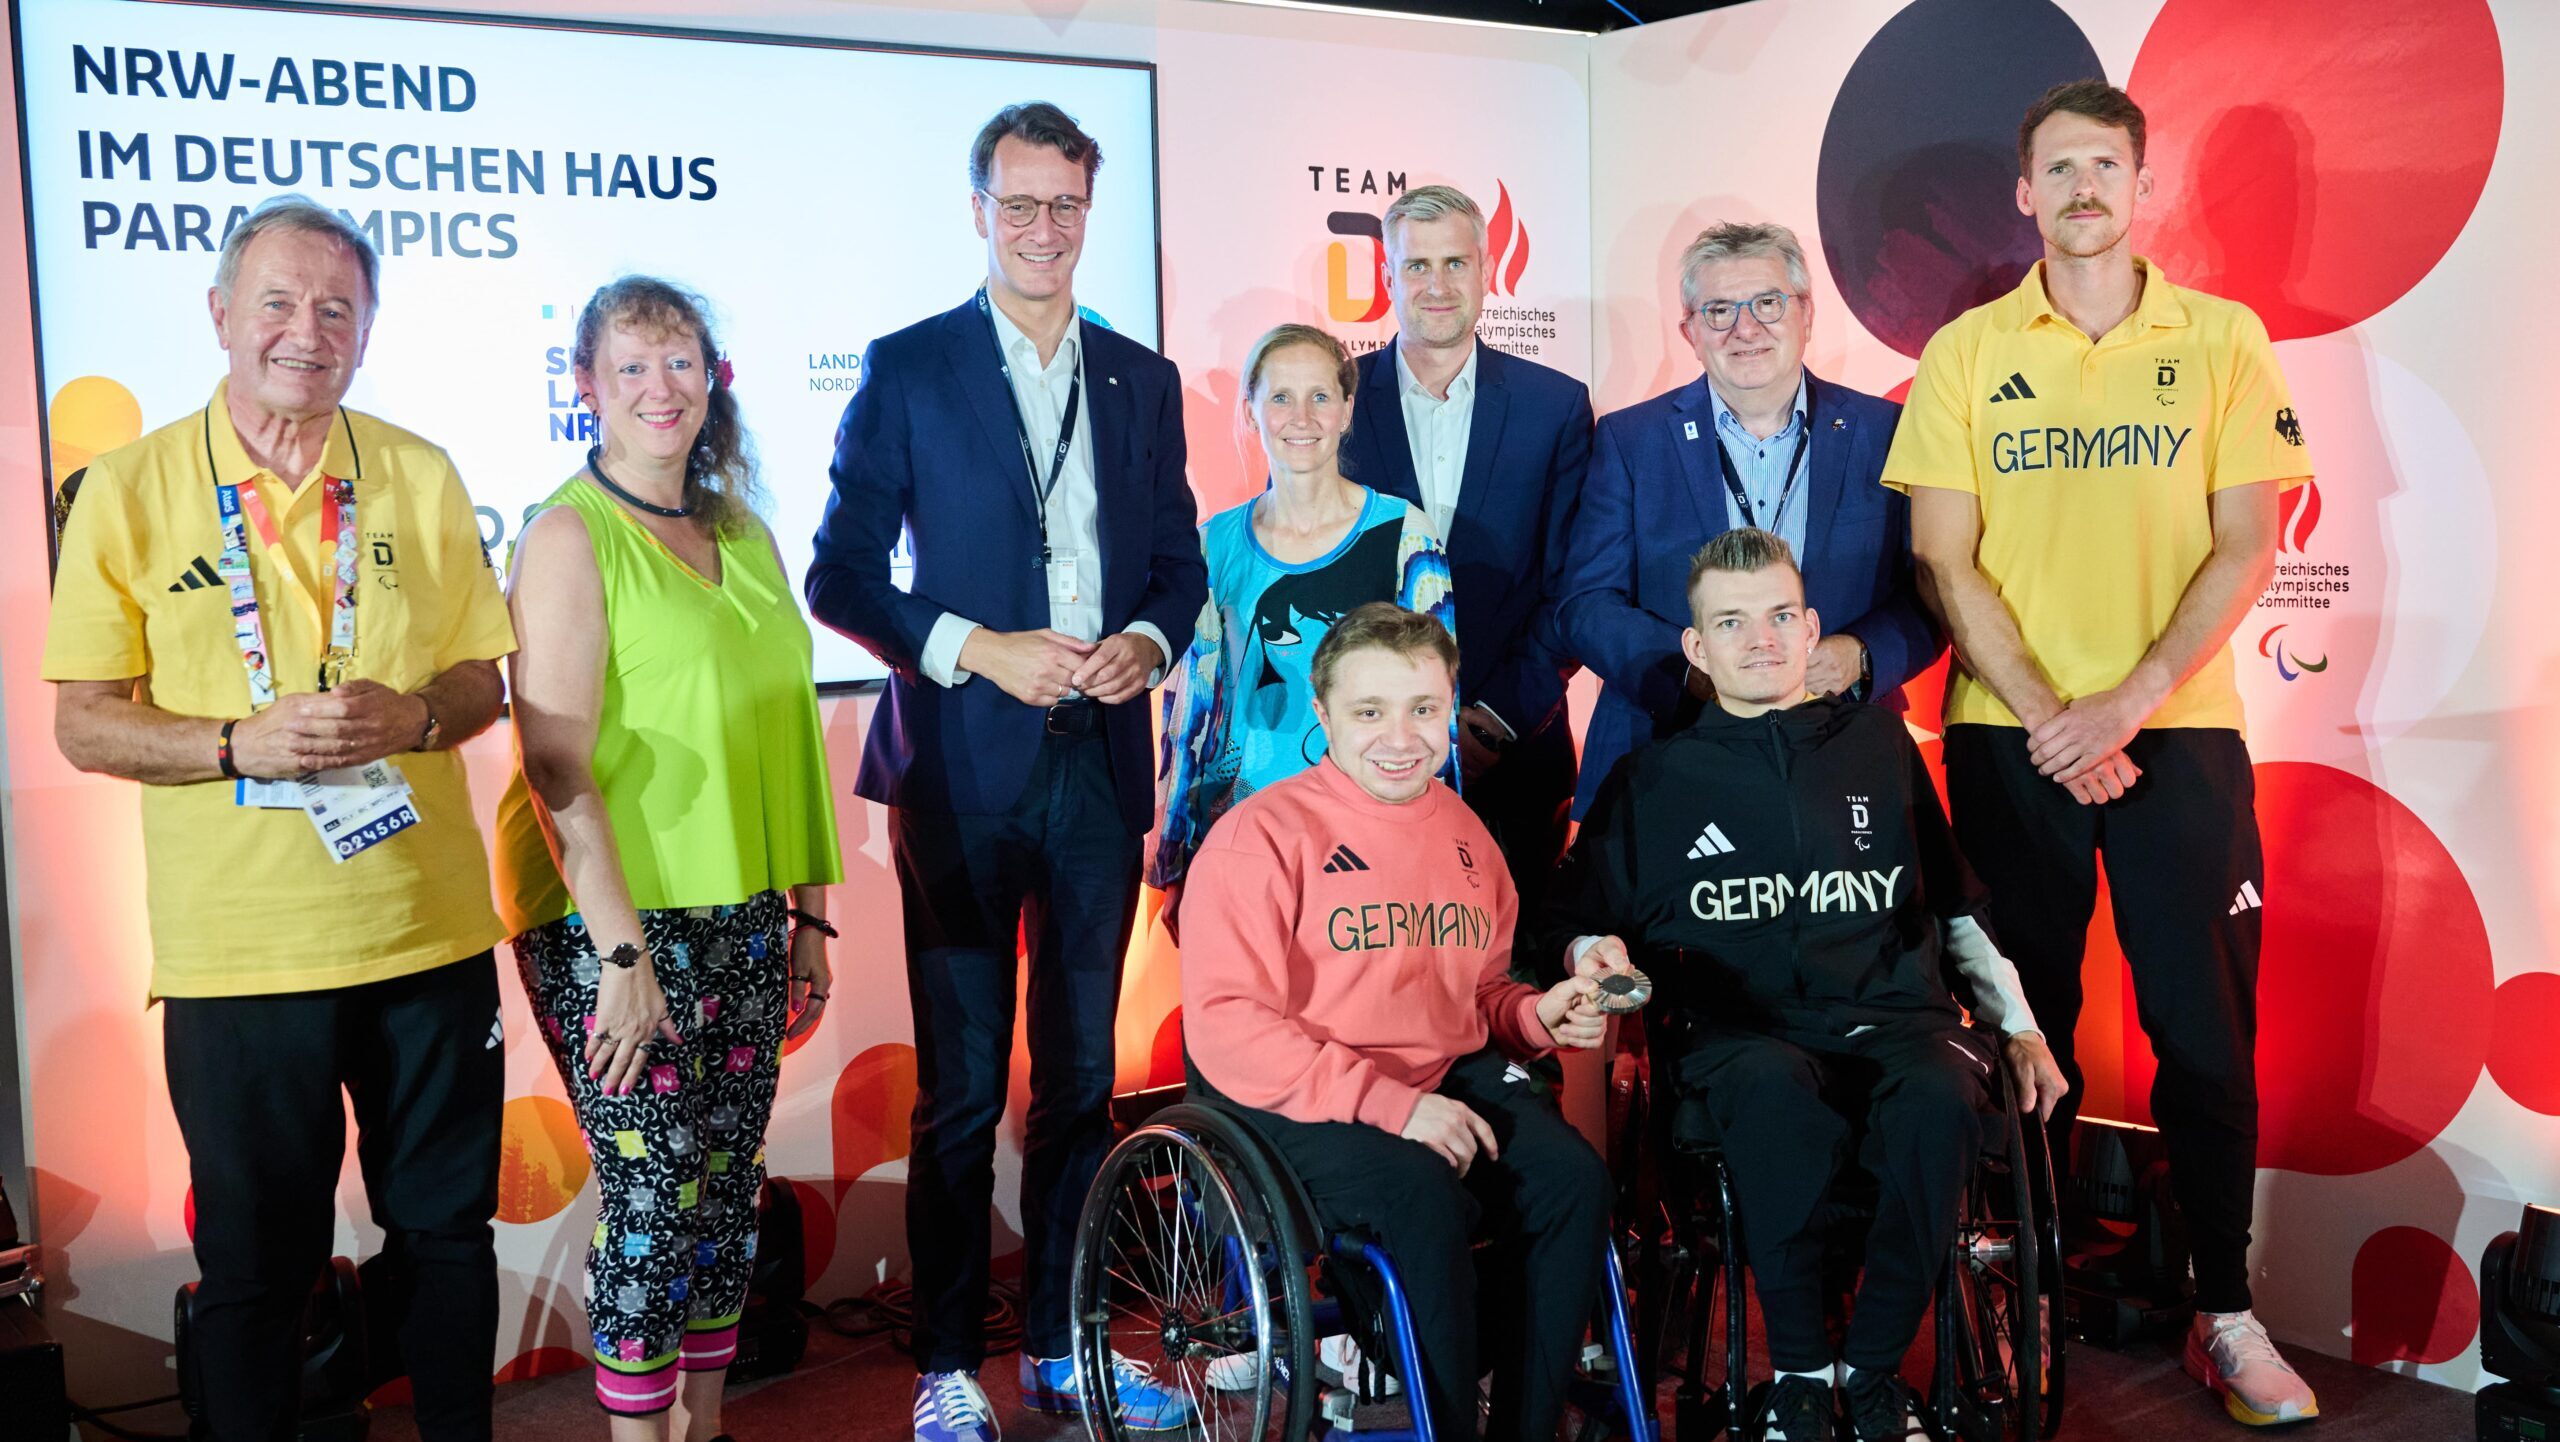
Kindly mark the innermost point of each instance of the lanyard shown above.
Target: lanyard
(1040, 489)
(1742, 499)
(241, 506)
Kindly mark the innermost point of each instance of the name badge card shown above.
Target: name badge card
(356, 808)
(1062, 578)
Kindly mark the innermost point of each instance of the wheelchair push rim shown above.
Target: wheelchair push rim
(1997, 1343)
(1181, 1262)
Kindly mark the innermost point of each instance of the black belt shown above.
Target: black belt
(1074, 718)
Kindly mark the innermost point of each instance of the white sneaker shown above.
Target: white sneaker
(2231, 1353)
(1341, 1355)
(1235, 1372)
(1242, 1371)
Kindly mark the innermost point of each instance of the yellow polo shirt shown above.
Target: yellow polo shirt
(247, 901)
(2094, 463)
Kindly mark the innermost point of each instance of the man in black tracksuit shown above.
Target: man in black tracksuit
(1784, 870)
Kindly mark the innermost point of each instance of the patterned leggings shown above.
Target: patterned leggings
(679, 1160)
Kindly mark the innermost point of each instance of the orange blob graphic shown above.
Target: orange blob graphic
(542, 1362)
(1164, 1058)
(542, 1159)
(874, 1103)
(89, 417)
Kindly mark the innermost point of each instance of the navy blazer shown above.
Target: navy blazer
(1528, 445)
(1655, 496)
(928, 445)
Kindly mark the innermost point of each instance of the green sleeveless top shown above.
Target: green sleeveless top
(708, 751)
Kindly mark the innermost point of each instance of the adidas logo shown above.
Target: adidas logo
(1711, 842)
(2015, 388)
(196, 577)
(2247, 900)
(1345, 859)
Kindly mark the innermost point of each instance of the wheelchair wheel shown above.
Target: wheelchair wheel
(2049, 1275)
(1191, 1258)
(1997, 1347)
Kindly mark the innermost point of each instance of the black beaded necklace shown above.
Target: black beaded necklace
(595, 468)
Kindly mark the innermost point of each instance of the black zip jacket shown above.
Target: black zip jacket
(1786, 872)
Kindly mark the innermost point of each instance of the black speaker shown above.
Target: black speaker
(334, 1369)
(773, 1332)
(38, 1408)
(2520, 1331)
(2124, 1242)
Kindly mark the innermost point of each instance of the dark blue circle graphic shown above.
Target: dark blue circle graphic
(1917, 190)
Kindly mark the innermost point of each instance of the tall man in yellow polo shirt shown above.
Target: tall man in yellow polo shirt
(274, 613)
(2093, 462)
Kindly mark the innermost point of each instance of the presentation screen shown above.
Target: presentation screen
(816, 194)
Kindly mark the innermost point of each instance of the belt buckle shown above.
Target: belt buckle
(1067, 718)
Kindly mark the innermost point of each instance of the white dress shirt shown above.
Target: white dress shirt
(1074, 508)
(1437, 431)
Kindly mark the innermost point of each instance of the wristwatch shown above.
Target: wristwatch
(625, 956)
(1866, 673)
(434, 731)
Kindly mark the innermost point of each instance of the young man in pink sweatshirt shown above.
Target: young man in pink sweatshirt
(1345, 984)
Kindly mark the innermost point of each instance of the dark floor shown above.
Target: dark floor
(861, 1391)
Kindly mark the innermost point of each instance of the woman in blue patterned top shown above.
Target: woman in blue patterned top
(1239, 714)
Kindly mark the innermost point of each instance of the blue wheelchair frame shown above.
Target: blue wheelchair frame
(1623, 1399)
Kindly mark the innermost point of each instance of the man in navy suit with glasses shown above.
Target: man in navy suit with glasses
(1036, 459)
(1756, 440)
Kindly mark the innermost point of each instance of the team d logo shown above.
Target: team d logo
(1357, 287)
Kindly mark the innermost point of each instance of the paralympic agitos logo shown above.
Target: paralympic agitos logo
(2298, 515)
(1357, 289)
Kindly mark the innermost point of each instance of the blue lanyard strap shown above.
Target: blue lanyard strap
(1742, 499)
(1040, 489)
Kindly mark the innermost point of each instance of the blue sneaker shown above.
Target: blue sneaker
(950, 1407)
(1146, 1405)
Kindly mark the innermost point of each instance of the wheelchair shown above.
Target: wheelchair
(1197, 1245)
(1997, 1374)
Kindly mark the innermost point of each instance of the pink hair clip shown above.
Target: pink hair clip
(721, 371)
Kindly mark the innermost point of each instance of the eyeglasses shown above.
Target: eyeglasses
(1020, 210)
(1768, 307)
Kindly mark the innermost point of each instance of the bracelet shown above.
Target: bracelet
(222, 752)
(817, 924)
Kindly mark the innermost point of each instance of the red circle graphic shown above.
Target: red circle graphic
(2523, 1022)
(2315, 158)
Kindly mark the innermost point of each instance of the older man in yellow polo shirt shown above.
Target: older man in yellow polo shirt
(275, 614)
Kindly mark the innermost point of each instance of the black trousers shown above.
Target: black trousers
(1062, 866)
(1544, 1202)
(255, 1083)
(1789, 1112)
(2178, 848)
(1526, 801)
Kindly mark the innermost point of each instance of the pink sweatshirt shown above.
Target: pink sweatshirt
(1339, 952)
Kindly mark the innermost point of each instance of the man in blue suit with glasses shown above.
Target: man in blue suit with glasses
(1036, 459)
(1756, 440)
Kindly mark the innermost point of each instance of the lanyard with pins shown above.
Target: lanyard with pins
(1040, 489)
(1742, 498)
(240, 507)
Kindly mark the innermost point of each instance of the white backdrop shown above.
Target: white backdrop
(718, 164)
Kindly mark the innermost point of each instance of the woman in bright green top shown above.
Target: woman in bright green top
(667, 843)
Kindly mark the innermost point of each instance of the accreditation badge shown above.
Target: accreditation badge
(356, 808)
